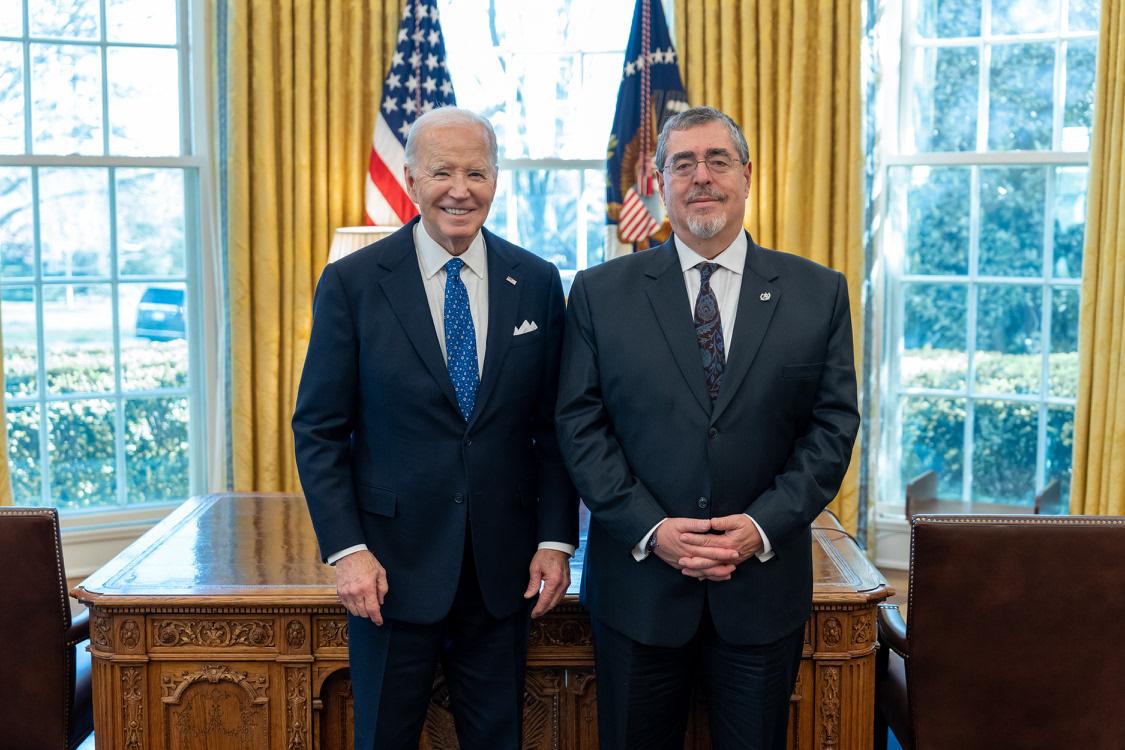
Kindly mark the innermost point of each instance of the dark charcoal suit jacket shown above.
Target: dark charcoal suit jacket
(643, 442)
(384, 455)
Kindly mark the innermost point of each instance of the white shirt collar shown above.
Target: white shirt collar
(434, 256)
(732, 259)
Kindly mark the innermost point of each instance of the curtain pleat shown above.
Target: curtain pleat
(789, 72)
(1098, 483)
(304, 87)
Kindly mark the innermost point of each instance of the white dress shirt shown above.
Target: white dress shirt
(432, 258)
(726, 283)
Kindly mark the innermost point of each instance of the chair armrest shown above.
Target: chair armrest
(79, 628)
(892, 629)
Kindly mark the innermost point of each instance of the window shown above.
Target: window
(985, 179)
(547, 80)
(98, 214)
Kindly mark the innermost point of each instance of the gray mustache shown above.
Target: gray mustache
(706, 193)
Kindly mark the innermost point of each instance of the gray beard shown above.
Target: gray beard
(705, 229)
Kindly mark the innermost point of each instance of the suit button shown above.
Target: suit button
(468, 442)
(459, 498)
(713, 432)
(702, 503)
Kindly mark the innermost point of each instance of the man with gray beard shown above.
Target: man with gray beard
(707, 411)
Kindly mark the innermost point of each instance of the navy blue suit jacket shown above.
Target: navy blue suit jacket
(644, 441)
(384, 455)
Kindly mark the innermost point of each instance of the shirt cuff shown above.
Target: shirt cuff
(766, 552)
(333, 559)
(640, 552)
(569, 549)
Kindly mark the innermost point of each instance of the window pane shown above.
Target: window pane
(78, 336)
(1020, 99)
(156, 449)
(1005, 434)
(11, 18)
(83, 472)
(945, 99)
(11, 96)
(949, 18)
(66, 99)
(144, 101)
(1078, 117)
(1070, 221)
(154, 352)
(1011, 236)
(67, 19)
(21, 361)
(536, 209)
(1024, 16)
(1008, 339)
(17, 248)
(1060, 448)
(74, 221)
(1083, 15)
(601, 76)
(1063, 360)
(24, 462)
(152, 21)
(934, 336)
(937, 240)
(933, 437)
(150, 222)
(595, 216)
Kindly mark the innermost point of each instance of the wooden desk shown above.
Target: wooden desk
(220, 629)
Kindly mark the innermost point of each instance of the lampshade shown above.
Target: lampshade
(347, 240)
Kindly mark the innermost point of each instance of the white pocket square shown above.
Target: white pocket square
(525, 327)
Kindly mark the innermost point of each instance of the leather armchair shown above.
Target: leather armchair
(1013, 638)
(45, 696)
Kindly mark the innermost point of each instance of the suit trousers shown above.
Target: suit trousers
(483, 659)
(645, 693)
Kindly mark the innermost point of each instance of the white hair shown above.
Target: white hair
(447, 116)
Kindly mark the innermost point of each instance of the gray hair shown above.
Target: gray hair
(447, 116)
(695, 117)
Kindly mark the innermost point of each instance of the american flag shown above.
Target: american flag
(417, 82)
(650, 92)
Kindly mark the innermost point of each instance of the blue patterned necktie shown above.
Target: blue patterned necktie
(460, 339)
(709, 330)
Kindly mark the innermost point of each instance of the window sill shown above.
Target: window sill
(91, 538)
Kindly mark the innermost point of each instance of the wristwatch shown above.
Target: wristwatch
(650, 545)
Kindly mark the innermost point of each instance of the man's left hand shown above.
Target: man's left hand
(736, 532)
(550, 569)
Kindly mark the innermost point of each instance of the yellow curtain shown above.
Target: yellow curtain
(1098, 484)
(788, 71)
(303, 90)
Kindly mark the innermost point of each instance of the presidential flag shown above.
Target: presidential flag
(417, 82)
(650, 92)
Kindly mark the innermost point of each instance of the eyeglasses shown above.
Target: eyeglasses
(716, 164)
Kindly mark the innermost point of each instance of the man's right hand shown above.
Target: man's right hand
(671, 548)
(361, 584)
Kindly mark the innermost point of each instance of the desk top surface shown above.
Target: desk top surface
(234, 548)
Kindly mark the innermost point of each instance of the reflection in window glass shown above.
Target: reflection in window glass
(11, 97)
(1078, 116)
(66, 99)
(144, 101)
(1020, 99)
(1069, 221)
(156, 449)
(1063, 360)
(948, 18)
(74, 221)
(1005, 434)
(150, 222)
(64, 19)
(17, 247)
(945, 98)
(1009, 320)
(933, 437)
(81, 450)
(934, 330)
(24, 464)
(1011, 205)
(1024, 16)
(937, 240)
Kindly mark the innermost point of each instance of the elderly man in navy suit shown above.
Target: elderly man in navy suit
(426, 446)
(707, 410)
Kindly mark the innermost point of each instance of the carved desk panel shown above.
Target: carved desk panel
(219, 630)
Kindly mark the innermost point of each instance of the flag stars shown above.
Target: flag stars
(427, 106)
(415, 59)
(431, 60)
(394, 81)
(389, 104)
(418, 36)
(434, 37)
(409, 107)
(402, 35)
(412, 83)
(446, 88)
(397, 60)
(430, 85)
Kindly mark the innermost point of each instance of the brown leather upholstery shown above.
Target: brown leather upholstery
(1014, 634)
(45, 688)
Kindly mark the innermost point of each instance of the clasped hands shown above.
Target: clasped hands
(361, 583)
(707, 549)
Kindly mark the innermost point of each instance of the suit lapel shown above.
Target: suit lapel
(668, 297)
(407, 296)
(503, 305)
(757, 300)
